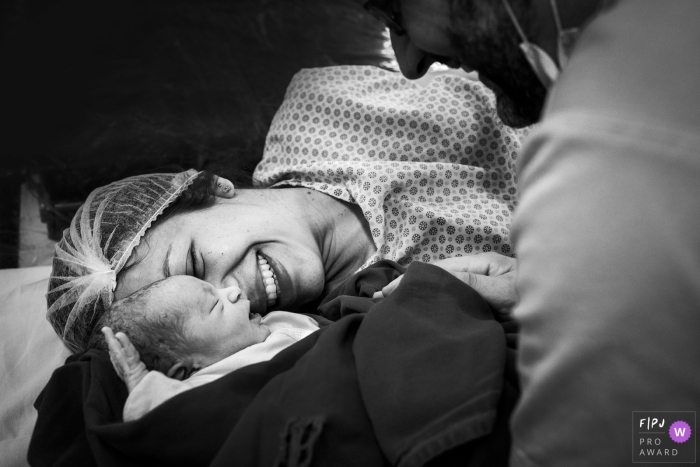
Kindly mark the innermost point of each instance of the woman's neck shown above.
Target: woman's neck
(342, 233)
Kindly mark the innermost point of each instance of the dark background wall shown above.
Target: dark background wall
(93, 91)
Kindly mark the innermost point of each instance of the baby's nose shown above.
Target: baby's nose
(233, 293)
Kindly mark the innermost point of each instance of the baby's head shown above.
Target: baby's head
(181, 324)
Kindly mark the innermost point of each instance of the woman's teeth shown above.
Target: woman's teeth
(272, 288)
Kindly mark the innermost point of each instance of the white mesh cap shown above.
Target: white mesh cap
(97, 245)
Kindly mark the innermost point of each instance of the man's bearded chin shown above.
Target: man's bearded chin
(520, 96)
(524, 108)
(483, 46)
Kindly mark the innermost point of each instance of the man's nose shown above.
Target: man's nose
(413, 62)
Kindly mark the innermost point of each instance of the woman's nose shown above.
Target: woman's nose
(413, 62)
(229, 281)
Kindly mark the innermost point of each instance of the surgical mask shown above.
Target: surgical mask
(542, 64)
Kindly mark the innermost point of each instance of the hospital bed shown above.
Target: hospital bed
(31, 350)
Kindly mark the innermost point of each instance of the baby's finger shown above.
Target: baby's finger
(116, 365)
(387, 290)
(116, 353)
(130, 351)
(112, 342)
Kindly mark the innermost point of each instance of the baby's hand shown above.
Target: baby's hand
(125, 358)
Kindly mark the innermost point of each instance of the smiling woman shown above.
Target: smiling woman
(365, 165)
(270, 243)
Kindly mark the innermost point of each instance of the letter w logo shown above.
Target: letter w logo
(679, 432)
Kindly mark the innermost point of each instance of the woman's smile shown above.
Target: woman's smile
(285, 292)
(257, 241)
(269, 280)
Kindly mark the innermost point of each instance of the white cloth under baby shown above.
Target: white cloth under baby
(155, 388)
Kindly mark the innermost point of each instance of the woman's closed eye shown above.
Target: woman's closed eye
(192, 268)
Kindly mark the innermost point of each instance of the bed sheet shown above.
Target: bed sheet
(29, 352)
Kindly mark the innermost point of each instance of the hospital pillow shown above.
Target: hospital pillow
(29, 352)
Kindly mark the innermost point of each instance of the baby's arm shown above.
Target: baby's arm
(125, 358)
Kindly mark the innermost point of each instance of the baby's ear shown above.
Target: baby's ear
(182, 370)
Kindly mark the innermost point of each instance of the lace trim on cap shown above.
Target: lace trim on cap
(137, 239)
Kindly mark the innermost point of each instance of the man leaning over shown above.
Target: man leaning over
(609, 306)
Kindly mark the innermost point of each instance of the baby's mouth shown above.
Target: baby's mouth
(272, 288)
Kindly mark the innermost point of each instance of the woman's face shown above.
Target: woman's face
(223, 245)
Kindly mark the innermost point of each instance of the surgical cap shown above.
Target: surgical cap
(97, 245)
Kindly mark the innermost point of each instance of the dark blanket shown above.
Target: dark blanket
(418, 378)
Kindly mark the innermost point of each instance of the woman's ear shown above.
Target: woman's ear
(182, 370)
(223, 188)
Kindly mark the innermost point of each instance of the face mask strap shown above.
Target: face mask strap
(565, 38)
(515, 22)
(557, 20)
(540, 62)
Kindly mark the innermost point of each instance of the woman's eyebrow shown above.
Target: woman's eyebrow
(166, 263)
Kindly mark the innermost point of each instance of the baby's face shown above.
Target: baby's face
(218, 320)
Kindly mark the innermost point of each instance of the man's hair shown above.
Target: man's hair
(157, 334)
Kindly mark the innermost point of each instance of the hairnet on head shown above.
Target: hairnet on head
(97, 245)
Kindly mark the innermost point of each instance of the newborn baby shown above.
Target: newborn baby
(182, 332)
